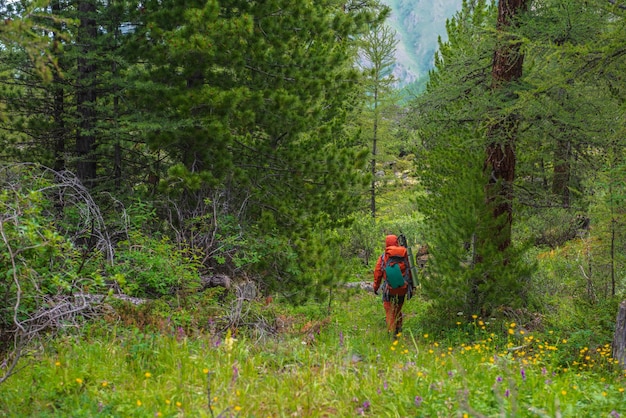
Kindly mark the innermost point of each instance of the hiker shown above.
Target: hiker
(393, 294)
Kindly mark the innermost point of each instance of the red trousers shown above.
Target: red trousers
(393, 314)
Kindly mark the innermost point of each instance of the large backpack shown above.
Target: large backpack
(393, 272)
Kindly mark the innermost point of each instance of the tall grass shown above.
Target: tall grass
(341, 365)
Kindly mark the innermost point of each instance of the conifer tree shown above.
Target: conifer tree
(247, 101)
(378, 49)
(450, 119)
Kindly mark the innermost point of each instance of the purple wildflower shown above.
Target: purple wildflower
(523, 373)
(363, 408)
(507, 393)
(418, 401)
(379, 391)
(450, 374)
(614, 414)
(408, 365)
(235, 374)
(544, 371)
(548, 381)
(499, 379)
(385, 385)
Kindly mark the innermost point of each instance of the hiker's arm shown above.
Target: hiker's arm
(378, 274)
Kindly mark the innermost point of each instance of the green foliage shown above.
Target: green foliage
(149, 266)
(551, 227)
(34, 258)
(363, 240)
(38, 264)
(464, 273)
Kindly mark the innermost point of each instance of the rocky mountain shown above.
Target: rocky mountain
(418, 24)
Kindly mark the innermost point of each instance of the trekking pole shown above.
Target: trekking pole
(412, 267)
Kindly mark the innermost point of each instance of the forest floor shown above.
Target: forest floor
(319, 360)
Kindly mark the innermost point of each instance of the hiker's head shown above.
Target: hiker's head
(391, 240)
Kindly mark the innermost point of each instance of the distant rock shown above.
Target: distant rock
(366, 286)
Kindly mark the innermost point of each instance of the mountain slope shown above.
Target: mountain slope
(418, 24)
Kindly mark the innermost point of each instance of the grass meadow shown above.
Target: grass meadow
(323, 361)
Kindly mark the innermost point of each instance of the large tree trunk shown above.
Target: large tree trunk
(619, 340)
(500, 159)
(499, 166)
(86, 94)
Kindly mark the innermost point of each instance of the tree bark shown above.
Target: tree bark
(58, 107)
(619, 340)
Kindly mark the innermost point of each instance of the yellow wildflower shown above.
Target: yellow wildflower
(229, 341)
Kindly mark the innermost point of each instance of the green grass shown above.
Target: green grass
(344, 365)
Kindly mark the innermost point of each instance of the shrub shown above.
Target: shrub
(148, 267)
(41, 268)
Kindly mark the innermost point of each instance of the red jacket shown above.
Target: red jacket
(391, 249)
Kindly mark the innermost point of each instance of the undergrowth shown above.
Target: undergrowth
(321, 360)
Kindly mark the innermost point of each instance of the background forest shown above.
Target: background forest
(198, 192)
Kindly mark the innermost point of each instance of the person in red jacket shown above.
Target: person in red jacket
(393, 299)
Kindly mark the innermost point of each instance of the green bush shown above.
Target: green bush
(40, 267)
(149, 267)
